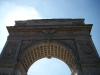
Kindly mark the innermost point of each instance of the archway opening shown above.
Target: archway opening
(47, 66)
(51, 50)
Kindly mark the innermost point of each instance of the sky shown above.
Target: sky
(11, 10)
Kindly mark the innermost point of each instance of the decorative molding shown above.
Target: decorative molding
(14, 30)
(70, 33)
(72, 45)
(47, 33)
(26, 35)
(25, 43)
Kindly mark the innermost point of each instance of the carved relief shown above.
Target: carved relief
(71, 33)
(10, 50)
(86, 48)
(71, 44)
(26, 43)
(84, 42)
(26, 35)
(47, 33)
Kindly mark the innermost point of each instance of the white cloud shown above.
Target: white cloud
(11, 12)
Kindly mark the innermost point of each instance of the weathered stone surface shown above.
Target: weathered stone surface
(50, 22)
(65, 39)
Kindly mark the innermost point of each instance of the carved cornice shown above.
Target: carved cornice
(28, 29)
(51, 34)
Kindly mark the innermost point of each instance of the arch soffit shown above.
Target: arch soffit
(28, 60)
(32, 45)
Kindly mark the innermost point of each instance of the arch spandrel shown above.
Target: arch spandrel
(49, 50)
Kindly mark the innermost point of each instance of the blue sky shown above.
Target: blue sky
(11, 10)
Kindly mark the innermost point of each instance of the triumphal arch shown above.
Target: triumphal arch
(66, 39)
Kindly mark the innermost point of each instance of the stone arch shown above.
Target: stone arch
(37, 43)
(70, 43)
(41, 50)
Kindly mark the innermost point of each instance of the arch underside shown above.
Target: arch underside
(47, 50)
